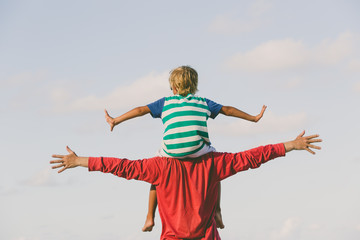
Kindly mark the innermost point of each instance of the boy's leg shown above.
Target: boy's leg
(149, 222)
(218, 217)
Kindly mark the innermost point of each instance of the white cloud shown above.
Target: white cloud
(270, 123)
(285, 54)
(314, 227)
(294, 82)
(354, 65)
(287, 230)
(330, 52)
(259, 7)
(23, 79)
(141, 92)
(25, 238)
(5, 191)
(41, 178)
(272, 55)
(229, 23)
(358, 227)
(357, 87)
(47, 178)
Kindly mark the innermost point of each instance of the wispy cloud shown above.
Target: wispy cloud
(358, 227)
(230, 23)
(271, 123)
(42, 178)
(354, 65)
(23, 79)
(287, 54)
(357, 87)
(140, 92)
(26, 238)
(288, 230)
(5, 191)
(20, 90)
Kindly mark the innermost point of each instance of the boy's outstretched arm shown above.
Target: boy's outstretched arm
(136, 112)
(234, 112)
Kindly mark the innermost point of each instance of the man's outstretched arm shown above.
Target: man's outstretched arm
(147, 170)
(228, 164)
(235, 162)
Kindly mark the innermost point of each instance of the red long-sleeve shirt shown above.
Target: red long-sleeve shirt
(187, 189)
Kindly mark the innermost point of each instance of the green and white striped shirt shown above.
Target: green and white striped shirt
(185, 122)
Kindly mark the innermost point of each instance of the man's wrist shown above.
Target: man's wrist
(289, 146)
(82, 161)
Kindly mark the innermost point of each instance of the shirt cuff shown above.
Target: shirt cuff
(94, 164)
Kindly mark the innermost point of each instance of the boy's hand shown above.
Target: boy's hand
(260, 115)
(110, 120)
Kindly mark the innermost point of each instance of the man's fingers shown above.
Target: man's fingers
(61, 170)
(314, 140)
(309, 150)
(314, 146)
(58, 166)
(56, 161)
(57, 156)
(302, 133)
(312, 136)
(69, 150)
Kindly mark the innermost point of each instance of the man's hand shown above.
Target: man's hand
(303, 143)
(68, 161)
(109, 120)
(260, 115)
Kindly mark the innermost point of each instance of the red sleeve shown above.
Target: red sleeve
(227, 164)
(147, 170)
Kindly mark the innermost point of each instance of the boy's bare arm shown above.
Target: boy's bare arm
(136, 112)
(234, 112)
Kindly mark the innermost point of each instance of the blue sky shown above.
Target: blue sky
(63, 62)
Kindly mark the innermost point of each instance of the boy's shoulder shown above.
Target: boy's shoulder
(189, 97)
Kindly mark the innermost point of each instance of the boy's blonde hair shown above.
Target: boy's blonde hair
(184, 79)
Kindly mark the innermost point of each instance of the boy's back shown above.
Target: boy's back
(185, 123)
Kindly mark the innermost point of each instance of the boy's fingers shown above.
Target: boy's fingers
(106, 114)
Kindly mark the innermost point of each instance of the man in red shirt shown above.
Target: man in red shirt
(186, 188)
